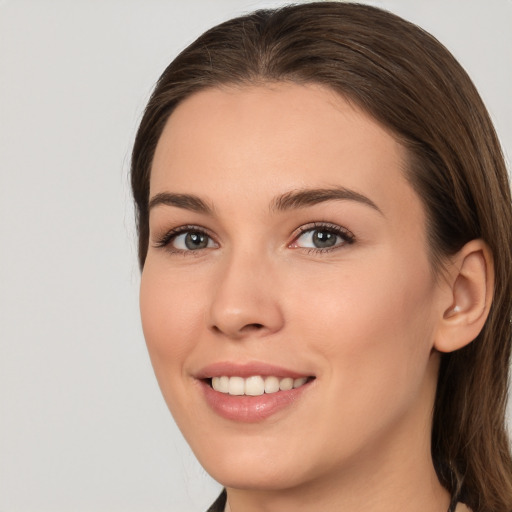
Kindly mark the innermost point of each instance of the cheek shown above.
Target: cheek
(372, 337)
(170, 312)
(374, 326)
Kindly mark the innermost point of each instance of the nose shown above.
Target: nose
(245, 300)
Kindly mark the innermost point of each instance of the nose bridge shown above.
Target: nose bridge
(246, 296)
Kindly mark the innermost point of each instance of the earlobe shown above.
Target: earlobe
(471, 282)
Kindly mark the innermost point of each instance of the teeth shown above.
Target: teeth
(286, 384)
(271, 384)
(224, 384)
(255, 385)
(236, 386)
(297, 383)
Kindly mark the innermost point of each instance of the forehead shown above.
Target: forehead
(228, 143)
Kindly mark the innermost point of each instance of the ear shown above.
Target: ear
(470, 282)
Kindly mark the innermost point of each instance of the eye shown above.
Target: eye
(192, 241)
(186, 239)
(322, 237)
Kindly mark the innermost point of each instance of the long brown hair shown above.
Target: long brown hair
(408, 81)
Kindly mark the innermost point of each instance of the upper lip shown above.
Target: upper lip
(230, 369)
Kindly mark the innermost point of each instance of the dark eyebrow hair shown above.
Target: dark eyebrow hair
(186, 201)
(289, 201)
(309, 197)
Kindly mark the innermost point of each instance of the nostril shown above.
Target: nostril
(245, 329)
(253, 327)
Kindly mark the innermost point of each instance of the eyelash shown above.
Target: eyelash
(171, 235)
(346, 236)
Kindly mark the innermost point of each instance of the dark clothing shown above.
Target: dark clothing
(220, 503)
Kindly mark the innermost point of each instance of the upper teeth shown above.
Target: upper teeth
(256, 385)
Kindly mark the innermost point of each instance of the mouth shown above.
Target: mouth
(255, 385)
(252, 392)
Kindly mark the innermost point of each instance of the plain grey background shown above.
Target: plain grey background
(82, 424)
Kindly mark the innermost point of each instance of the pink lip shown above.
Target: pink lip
(247, 370)
(249, 409)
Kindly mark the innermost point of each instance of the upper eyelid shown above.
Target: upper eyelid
(303, 228)
(167, 236)
(348, 238)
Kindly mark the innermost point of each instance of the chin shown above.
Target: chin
(255, 479)
(260, 470)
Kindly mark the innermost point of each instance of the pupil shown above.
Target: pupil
(323, 239)
(196, 241)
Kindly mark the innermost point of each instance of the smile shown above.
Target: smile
(255, 385)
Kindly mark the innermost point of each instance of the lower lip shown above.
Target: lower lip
(251, 409)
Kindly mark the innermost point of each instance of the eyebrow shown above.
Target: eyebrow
(297, 199)
(292, 200)
(185, 201)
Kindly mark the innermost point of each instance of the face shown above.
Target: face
(287, 299)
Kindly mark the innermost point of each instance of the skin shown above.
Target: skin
(363, 318)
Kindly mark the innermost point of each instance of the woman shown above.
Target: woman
(325, 240)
